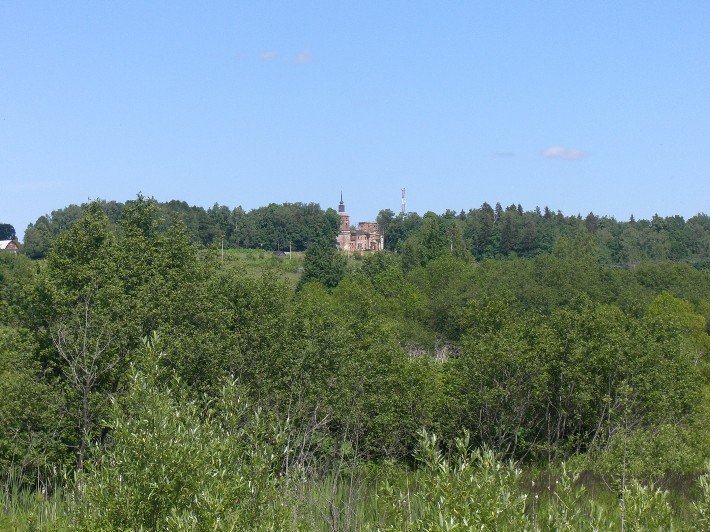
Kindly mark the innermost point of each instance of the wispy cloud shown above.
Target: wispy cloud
(303, 57)
(267, 56)
(504, 154)
(567, 154)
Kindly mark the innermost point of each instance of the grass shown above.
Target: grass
(347, 500)
(254, 262)
(22, 508)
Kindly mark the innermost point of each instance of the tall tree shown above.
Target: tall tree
(7, 232)
(324, 264)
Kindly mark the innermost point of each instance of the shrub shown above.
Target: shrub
(702, 507)
(172, 464)
(469, 490)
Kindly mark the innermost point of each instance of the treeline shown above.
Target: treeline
(490, 232)
(272, 227)
(130, 355)
(486, 232)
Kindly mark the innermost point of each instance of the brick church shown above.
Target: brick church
(367, 236)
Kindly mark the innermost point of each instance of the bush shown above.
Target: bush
(172, 464)
(470, 490)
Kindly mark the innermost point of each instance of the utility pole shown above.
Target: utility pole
(289, 250)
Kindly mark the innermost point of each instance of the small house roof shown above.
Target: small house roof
(5, 243)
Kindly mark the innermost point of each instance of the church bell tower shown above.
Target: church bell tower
(344, 217)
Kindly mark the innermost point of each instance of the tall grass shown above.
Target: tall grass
(31, 508)
(171, 465)
(372, 497)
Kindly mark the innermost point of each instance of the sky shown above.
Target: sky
(581, 106)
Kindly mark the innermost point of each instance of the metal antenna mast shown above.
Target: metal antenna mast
(404, 201)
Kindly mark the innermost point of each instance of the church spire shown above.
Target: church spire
(341, 205)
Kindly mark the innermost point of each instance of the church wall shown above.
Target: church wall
(366, 238)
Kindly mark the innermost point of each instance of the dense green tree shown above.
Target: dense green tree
(385, 220)
(38, 239)
(31, 424)
(396, 229)
(102, 290)
(509, 231)
(528, 385)
(324, 264)
(7, 232)
(16, 274)
(272, 227)
(479, 229)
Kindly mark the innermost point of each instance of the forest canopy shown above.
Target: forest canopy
(273, 227)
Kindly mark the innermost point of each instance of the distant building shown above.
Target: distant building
(367, 237)
(9, 246)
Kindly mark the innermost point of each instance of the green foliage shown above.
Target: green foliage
(544, 350)
(174, 464)
(102, 289)
(30, 412)
(470, 490)
(24, 507)
(554, 385)
(646, 508)
(568, 506)
(277, 226)
(40, 236)
(238, 450)
(16, 274)
(702, 506)
(272, 227)
(652, 454)
(485, 232)
(323, 264)
(7, 232)
(490, 233)
(434, 238)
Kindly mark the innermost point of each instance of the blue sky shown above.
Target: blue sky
(582, 106)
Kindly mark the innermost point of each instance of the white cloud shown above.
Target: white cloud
(267, 56)
(558, 152)
(303, 57)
